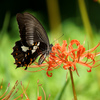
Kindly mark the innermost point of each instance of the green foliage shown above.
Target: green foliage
(87, 85)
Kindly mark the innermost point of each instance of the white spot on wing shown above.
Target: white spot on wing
(24, 48)
(33, 51)
(38, 44)
(34, 47)
(25, 55)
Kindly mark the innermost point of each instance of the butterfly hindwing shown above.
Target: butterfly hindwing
(25, 56)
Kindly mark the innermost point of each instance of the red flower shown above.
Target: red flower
(69, 56)
(97, 1)
(11, 93)
(39, 98)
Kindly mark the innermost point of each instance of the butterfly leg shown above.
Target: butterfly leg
(42, 58)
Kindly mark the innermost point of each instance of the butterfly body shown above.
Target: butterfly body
(34, 41)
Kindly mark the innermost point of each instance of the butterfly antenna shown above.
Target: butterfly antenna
(58, 38)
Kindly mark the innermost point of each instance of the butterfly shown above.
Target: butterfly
(33, 43)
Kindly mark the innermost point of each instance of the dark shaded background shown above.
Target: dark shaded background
(68, 8)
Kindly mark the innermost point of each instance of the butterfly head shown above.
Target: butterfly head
(50, 48)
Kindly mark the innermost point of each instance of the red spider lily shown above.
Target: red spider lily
(11, 93)
(97, 1)
(69, 56)
(39, 98)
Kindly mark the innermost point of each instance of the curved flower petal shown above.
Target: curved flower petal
(69, 57)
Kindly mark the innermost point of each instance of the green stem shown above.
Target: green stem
(54, 17)
(74, 92)
(85, 19)
(5, 23)
(63, 89)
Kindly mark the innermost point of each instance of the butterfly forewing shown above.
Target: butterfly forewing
(31, 30)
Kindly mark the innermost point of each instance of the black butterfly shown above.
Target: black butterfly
(34, 41)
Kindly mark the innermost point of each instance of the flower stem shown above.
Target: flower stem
(54, 17)
(63, 90)
(74, 93)
(86, 21)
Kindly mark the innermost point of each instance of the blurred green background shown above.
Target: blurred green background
(76, 19)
